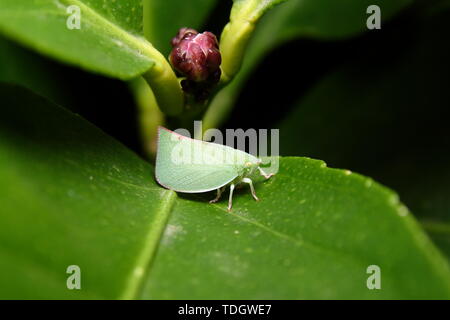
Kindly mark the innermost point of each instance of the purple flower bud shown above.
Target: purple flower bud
(196, 56)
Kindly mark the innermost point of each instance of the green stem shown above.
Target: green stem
(166, 88)
(149, 116)
(219, 109)
(161, 77)
(237, 33)
(233, 42)
(193, 111)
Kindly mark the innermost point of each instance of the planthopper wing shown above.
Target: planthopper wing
(192, 166)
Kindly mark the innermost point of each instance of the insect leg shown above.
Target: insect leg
(249, 181)
(219, 194)
(230, 200)
(265, 175)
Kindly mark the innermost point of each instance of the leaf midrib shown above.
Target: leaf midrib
(151, 243)
(139, 42)
(135, 42)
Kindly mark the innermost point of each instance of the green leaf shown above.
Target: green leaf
(322, 19)
(312, 236)
(110, 40)
(70, 195)
(163, 19)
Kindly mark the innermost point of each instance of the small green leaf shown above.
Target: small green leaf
(70, 195)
